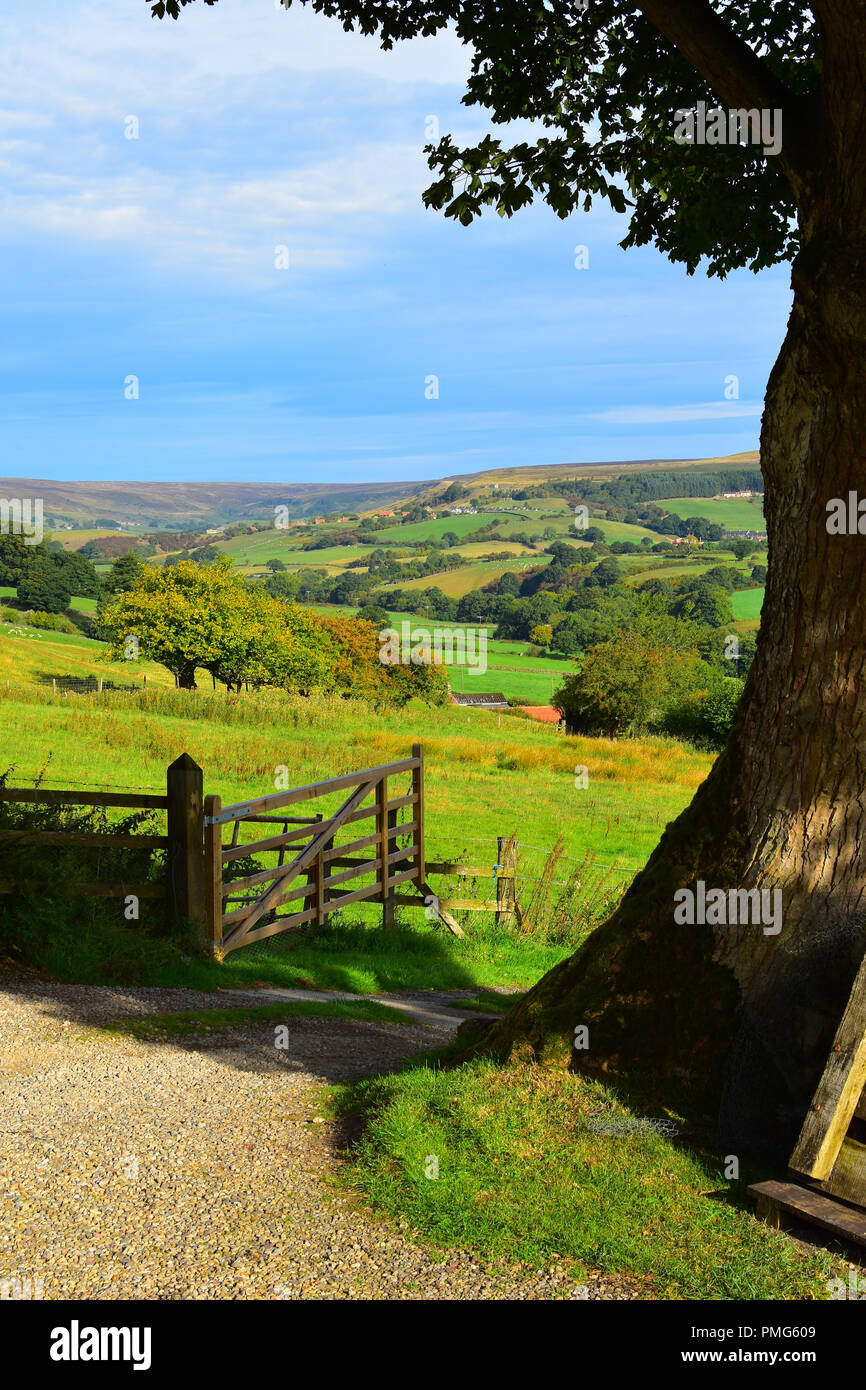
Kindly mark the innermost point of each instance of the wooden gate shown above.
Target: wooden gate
(242, 910)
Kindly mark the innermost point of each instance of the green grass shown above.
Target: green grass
(550, 1168)
(38, 655)
(621, 530)
(217, 1020)
(435, 530)
(534, 686)
(734, 513)
(483, 780)
(83, 605)
(456, 583)
(747, 603)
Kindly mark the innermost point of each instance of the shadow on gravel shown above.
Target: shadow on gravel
(325, 1048)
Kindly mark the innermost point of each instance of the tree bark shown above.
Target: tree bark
(744, 1020)
(186, 677)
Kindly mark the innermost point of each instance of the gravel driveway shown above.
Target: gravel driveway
(194, 1168)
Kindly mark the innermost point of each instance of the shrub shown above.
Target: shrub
(50, 622)
(49, 923)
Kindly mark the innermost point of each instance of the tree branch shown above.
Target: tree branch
(734, 71)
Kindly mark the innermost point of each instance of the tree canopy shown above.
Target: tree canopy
(188, 617)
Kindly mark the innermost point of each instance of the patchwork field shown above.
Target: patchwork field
(747, 604)
(456, 583)
(735, 513)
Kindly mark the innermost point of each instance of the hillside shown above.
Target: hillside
(159, 504)
(155, 505)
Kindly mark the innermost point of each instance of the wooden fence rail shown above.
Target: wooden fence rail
(96, 840)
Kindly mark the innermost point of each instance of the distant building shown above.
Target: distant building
(493, 699)
(744, 535)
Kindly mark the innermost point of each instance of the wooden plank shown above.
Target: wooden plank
(333, 784)
(506, 855)
(860, 1108)
(273, 842)
(838, 1092)
(241, 914)
(470, 904)
(39, 795)
(848, 1178)
(277, 820)
(70, 837)
(213, 877)
(363, 894)
(807, 1204)
(388, 905)
(282, 924)
(102, 890)
(236, 885)
(185, 792)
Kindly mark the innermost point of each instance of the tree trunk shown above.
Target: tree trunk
(742, 1018)
(186, 677)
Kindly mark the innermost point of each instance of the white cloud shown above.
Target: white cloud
(96, 57)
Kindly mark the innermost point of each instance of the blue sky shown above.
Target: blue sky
(155, 258)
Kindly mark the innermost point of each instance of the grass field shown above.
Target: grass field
(29, 654)
(734, 513)
(435, 530)
(564, 1172)
(456, 583)
(531, 685)
(484, 779)
(75, 539)
(747, 604)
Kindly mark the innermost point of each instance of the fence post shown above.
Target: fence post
(213, 877)
(185, 854)
(506, 888)
(418, 817)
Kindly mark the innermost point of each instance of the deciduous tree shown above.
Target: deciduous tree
(744, 1017)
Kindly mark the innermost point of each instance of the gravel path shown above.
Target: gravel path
(197, 1167)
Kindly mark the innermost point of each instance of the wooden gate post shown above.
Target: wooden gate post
(185, 853)
(213, 877)
(506, 895)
